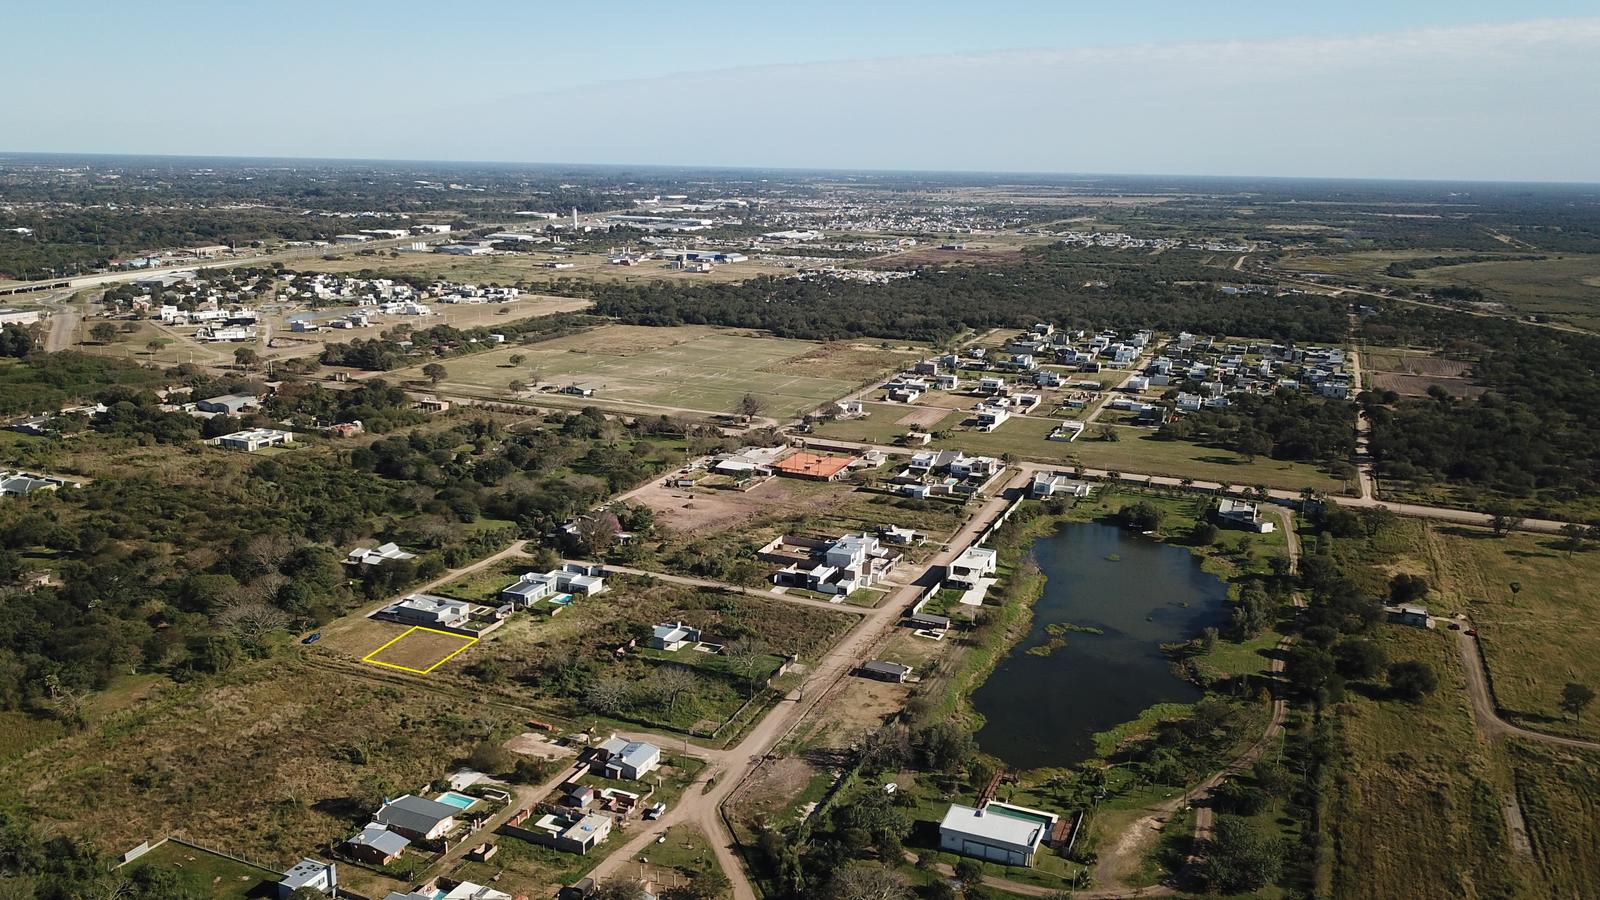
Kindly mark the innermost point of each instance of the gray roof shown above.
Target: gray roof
(887, 668)
(414, 813)
(381, 839)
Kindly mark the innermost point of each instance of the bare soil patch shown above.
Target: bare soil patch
(924, 416)
(530, 744)
(1418, 385)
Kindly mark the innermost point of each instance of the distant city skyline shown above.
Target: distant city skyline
(1441, 91)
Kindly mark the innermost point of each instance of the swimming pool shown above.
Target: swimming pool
(459, 801)
(561, 599)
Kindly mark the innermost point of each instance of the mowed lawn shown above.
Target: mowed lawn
(1536, 640)
(687, 368)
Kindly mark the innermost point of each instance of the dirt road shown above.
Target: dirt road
(1484, 712)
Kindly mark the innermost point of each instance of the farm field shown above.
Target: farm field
(1565, 287)
(690, 368)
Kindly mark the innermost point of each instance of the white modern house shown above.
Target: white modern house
(997, 832)
(674, 636)
(1243, 514)
(430, 611)
(374, 556)
(622, 758)
(252, 439)
(973, 564)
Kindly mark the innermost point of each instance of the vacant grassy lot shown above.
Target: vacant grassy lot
(1418, 809)
(1537, 640)
(419, 650)
(278, 758)
(209, 874)
(689, 368)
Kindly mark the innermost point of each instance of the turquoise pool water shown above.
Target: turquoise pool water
(561, 599)
(459, 801)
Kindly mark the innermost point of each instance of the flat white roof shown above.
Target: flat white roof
(992, 826)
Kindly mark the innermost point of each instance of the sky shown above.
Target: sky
(1420, 89)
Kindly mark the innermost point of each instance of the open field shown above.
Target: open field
(1536, 640)
(1418, 810)
(1564, 286)
(276, 758)
(419, 650)
(688, 368)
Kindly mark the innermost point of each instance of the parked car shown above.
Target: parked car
(1472, 632)
(311, 638)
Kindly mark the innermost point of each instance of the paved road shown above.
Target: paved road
(731, 768)
(1411, 510)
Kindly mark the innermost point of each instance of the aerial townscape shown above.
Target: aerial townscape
(631, 528)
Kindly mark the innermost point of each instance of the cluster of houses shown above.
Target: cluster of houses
(837, 567)
(581, 816)
(951, 474)
(1208, 370)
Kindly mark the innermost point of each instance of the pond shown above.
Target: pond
(1044, 710)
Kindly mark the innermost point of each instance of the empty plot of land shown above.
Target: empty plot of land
(925, 416)
(677, 369)
(1412, 374)
(419, 650)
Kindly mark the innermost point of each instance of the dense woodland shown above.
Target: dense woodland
(1174, 293)
(1283, 425)
(1533, 436)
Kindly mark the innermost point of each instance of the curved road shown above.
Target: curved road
(1484, 712)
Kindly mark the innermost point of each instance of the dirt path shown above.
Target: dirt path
(1484, 712)
(1365, 482)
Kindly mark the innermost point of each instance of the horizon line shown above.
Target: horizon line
(708, 167)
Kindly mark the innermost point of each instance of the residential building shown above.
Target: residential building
(621, 758)
(252, 439)
(674, 636)
(309, 874)
(973, 564)
(1046, 484)
(430, 611)
(1242, 514)
(417, 818)
(376, 845)
(885, 671)
(997, 832)
(373, 556)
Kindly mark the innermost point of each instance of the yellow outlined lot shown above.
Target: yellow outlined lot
(371, 659)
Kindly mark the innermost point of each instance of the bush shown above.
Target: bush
(1412, 680)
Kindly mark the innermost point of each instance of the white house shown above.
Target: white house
(622, 758)
(674, 636)
(252, 439)
(973, 563)
(417, 818)
(309, 874)
(991, 417)
(1046, 484)
(998, 832)
(1242, 514)
(374, 556)
(430, 611)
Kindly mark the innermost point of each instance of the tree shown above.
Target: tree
(671, 683)
(618, 887)
(517, 386)
(1359, 658)
(1204, 533)
(1574, 537)
(747, 658)
(751, 405)
(1412, 679)
(969, 873)
(103, 332)
(435, 373)
(1575, 698)
(491, 758)
(1239, 859)
(1407, 588)
(1108, 433)
(1503, 519)
(246, 357)
(597, 532)
(516, 359)
(155, 345)
(867, 881)
(1143, 516)
(252, 621)
(607, 694)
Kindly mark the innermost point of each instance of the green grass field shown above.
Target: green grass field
(208, 873)
(1536, 640)
(679, 369)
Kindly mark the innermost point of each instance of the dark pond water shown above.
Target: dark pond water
(1044, 710)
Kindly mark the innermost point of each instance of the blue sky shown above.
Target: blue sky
(1462, 89)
